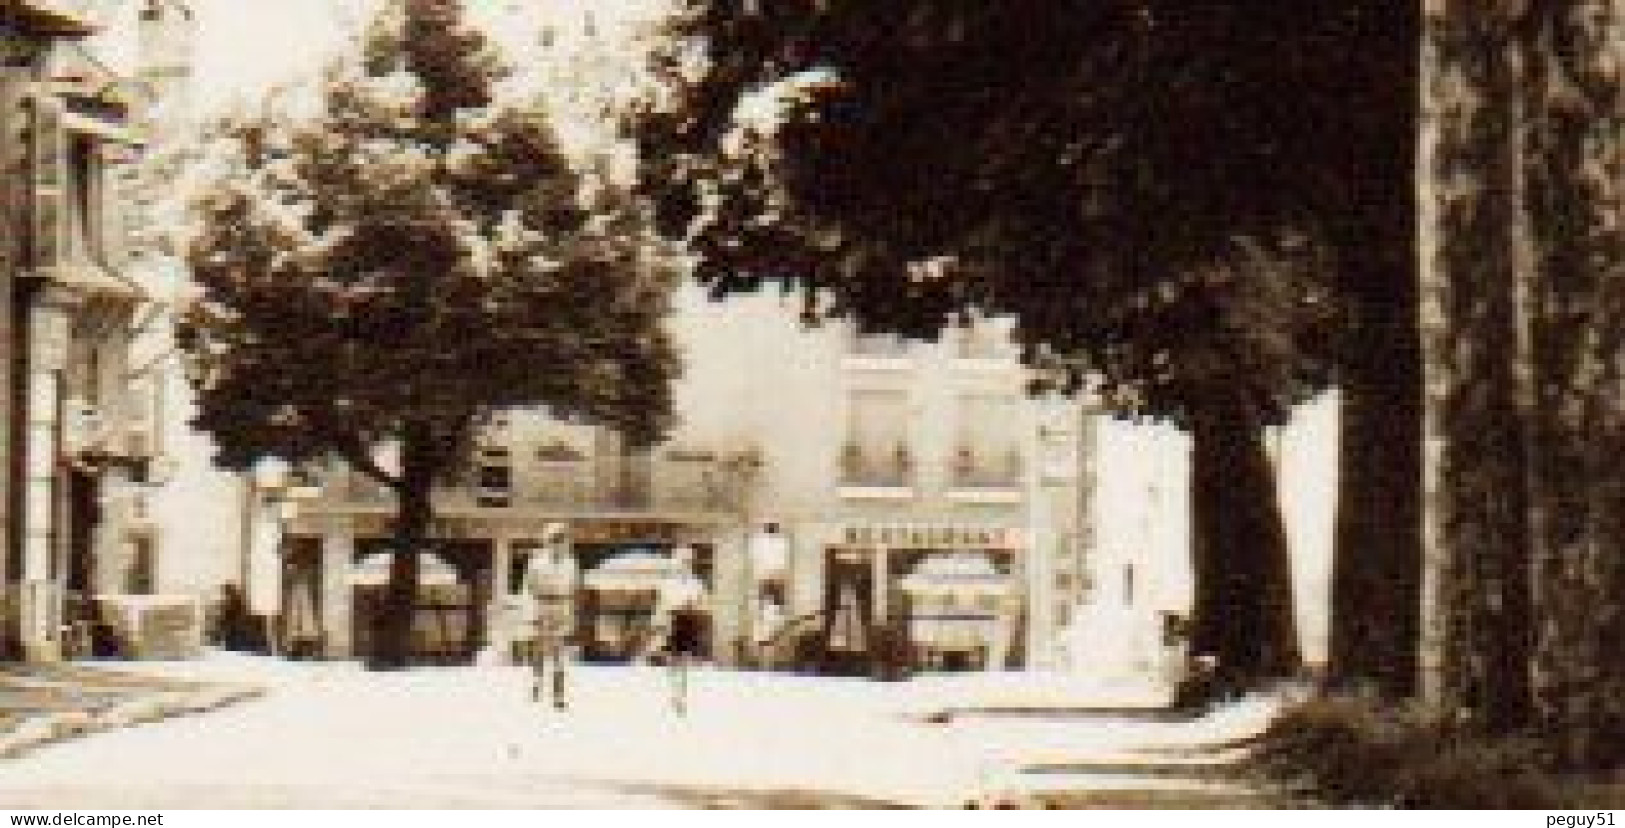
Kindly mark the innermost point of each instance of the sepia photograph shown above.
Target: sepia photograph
(523, 405)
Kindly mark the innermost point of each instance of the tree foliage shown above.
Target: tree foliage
(1095, 169)
(408, 256)
(1195, 207)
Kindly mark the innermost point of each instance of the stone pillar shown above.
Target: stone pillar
(49, 335)
(882, 587)
(338, 557)
(729, 594)
(806, 572)
(1038, 581)
(499, 627)
(12, 153)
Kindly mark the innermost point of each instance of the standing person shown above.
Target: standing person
(684, 624)
(550, 581)
(769, 621)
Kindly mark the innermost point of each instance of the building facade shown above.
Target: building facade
(79, 440)
(835, 495)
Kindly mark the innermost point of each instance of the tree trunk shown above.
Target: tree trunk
(1377, 564)
(1243, 610)
(1574, 171)
(414, 514)
(1477, 527)
(1377, 568)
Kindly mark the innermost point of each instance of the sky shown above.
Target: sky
(245, 46)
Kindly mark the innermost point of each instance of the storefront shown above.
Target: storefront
(925, 596)
(449, 619)
(624, 589)
(961, 610)
(471, 602)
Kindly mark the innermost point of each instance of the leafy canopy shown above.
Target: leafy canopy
(412, 252)
(1156, 190)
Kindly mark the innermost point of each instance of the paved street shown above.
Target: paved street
(330, 735)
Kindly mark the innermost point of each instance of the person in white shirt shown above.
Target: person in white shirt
(551, 579)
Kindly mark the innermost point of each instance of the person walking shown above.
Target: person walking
(684, 626)
(550, 580)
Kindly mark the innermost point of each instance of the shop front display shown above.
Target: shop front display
(898, 598)
(448, 622)
(961, 611)
(625, 592)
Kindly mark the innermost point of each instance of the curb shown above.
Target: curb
(40, 731)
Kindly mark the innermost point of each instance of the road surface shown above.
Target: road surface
(330, 735)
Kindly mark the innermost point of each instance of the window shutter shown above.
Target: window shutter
(48, 162)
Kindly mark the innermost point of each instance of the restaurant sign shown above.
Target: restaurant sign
(932, 537)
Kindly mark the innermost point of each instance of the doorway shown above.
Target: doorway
(849, 614)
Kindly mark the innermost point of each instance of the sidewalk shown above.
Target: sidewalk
(45, 703)
(1124, 759)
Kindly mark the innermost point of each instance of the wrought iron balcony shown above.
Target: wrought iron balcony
(877, 467)
(583, 485)
(982, 469)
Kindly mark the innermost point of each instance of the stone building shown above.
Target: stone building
(846, 490)
(78, 441)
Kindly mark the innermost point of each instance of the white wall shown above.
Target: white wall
(1142, 517)
(1306, 477)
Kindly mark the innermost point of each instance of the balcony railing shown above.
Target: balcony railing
(585, 485)
(987, 470)
(877, 467)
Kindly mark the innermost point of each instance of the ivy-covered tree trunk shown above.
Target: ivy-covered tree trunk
(1243, 579)
(1477, 468)
(1574, 185)
(1525, 299)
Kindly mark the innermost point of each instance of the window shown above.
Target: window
(561, 475)
(558, 451)
(982, 340)
(987, 452)
(139, 578)
(85, 215)
(877, 451)
(495, 485)
(49, 160)
(879, 346)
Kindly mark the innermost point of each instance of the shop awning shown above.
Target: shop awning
(373, 570)
(957, 574)
(101, 128)
(647, 570)
(92, 279)
(51, 19)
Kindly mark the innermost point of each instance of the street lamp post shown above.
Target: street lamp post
(744, 471)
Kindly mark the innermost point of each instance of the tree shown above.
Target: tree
(411, 257)
(1524, 145)
(1141, 184)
